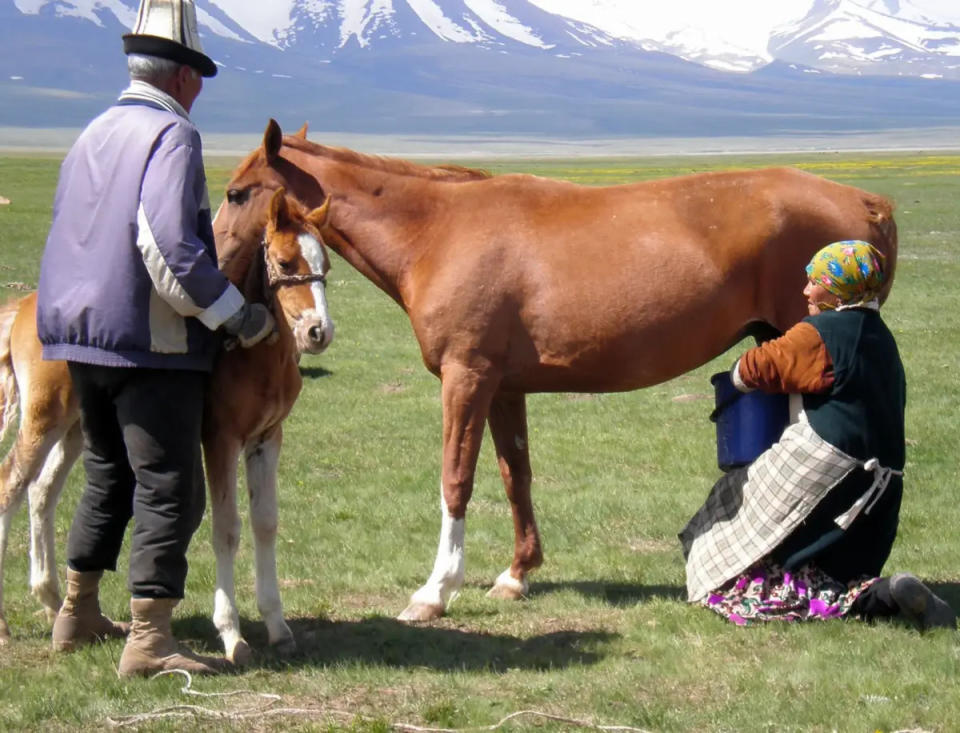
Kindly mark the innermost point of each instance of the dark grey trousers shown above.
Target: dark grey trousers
(876, 602)
(143, 459)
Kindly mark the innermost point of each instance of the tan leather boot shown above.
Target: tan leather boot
(80, 621)
(151, 647)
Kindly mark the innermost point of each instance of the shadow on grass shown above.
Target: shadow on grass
(387, 642)
(314, 372)
(614, 593)
(950, 592)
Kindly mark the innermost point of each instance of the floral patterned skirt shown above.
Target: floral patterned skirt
(766, 592)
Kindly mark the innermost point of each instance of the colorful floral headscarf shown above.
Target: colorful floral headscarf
(852, 270)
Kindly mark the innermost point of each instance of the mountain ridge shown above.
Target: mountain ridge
(487, 67)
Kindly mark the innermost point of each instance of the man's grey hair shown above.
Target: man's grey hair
(151, 68)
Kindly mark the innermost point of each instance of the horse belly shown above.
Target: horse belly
(638, 350)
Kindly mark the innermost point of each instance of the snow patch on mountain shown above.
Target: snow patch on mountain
(443, 27)
(262, 20)
(707, 33)
(498, 17)
(933, 12)
(84, 9)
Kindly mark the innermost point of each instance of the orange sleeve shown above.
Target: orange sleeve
(796, 362)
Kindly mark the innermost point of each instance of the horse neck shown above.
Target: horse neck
(254, 288)
(377, 216)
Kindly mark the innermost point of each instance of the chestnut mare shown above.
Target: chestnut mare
(517, 284)
(252, 391)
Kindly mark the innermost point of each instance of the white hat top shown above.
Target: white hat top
(168, 29)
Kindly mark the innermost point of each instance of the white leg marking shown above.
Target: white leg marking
(447, 577)
(226, 540)
(262, 486)
(506, 580)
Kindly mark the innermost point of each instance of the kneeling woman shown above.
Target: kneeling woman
(804, 531)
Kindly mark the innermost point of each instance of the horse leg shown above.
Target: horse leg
(466, 397)
(262, 462)
(5, 520)
(19, 470)
(221, 455)
(508, 426)
(44, 495)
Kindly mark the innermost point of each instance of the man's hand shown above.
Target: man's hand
(251, 324)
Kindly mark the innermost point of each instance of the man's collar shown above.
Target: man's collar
(146, 92)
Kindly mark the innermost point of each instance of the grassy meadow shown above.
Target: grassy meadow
(605, 637)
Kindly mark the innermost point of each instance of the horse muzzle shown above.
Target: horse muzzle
(313, 334)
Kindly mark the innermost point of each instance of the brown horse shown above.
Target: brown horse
(274, 256)
(517, 284)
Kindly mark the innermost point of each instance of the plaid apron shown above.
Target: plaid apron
(751, 510)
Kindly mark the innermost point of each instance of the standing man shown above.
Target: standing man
(130, 296)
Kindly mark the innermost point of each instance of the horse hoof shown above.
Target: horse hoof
(4, 633)
(241, 654)
(284, 647)
(421, 612)
(506, 593)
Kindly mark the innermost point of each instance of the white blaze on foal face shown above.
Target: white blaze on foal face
(314, 330)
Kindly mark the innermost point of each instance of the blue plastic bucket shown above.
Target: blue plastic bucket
(747, 423)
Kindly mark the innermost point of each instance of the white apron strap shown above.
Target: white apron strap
(881, 477)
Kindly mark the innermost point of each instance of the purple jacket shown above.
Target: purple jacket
(129, 274)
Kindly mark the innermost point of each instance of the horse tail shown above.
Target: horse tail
(9, 394)
(883, 236)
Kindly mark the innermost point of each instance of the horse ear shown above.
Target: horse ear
(302, 132)
(272, 140)
(319, 216)
(279, 214)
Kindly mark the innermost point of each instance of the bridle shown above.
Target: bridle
(276, 279)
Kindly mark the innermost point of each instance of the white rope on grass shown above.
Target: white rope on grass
(269, 710)
(187, 688)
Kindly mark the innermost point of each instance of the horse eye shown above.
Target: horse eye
(237, 195)
(284, 264)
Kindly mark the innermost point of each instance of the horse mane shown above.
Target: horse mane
(397, 166)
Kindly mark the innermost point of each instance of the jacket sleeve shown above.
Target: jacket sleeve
(181, 267)
(797, 362)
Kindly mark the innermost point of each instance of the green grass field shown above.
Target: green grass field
(605, 637)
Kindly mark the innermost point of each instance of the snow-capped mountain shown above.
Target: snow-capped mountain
(566, 67)
(884, 36)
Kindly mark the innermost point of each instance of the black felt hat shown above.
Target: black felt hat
(168, 29)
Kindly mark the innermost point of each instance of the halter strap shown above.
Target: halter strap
(276, 279)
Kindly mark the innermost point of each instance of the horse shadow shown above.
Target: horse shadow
(384, 641)
(314, 372)
(613, 593)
